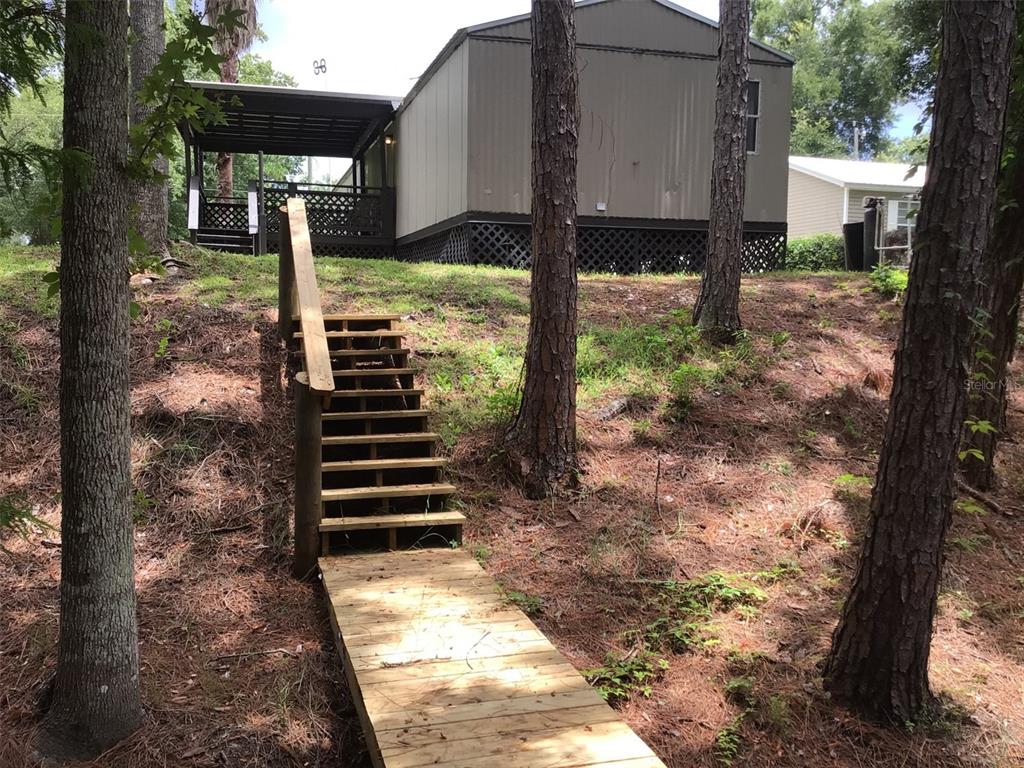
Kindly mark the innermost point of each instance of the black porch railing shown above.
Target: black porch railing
(333, 212)
(343, 221)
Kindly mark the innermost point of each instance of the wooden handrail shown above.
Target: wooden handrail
(296, 249)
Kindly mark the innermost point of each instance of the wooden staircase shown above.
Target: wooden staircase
(442, 669)
(381, 481)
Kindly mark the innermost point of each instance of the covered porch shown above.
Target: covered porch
(356, 218)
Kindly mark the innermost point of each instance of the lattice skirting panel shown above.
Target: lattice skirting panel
(618, 250)
(448, 247)
(344, 250)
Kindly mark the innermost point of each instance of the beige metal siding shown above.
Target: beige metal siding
(814, 205)
(640, 24)
(646, 133)
(431, 141)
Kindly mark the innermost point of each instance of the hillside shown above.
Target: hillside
(697, 572)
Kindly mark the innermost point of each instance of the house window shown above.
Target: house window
(903, 209)
(753, 113)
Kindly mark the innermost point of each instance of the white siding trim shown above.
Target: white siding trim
(846, 205)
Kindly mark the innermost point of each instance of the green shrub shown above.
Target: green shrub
(685, 381)
(889, 281)
(815, 252)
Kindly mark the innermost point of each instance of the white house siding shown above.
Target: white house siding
(814, 205)
(432, 148)
(856, 209)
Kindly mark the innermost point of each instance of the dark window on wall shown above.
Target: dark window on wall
(753, 113)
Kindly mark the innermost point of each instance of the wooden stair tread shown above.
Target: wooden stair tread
(362, 352)
(413, 413)
(359, 334)
(387, 492)
(375, 392)
(390, 437)
(391, 521)
(361, 464)
(357, 316)
(353, 372)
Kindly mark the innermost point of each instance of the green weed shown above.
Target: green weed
(16, 517)
(623, 677)
(531, 605)
(970, 543)
(729, 740)
(889, 281)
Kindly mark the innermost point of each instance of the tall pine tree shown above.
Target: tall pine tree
(542, 442)
(95, 699)
(878, 664)
(1004, 264)
(717, 310)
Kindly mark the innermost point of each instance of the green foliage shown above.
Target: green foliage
(623, 677)
(970, 543)
(172, 99)
(968, 506)
(31, 43)
(729, 740)
(852, 490)
(854, 61)
(684, 382)
(889, 281)
(16, 517)
(685, 608)
(163, 344)
(815, 252)
(531, 605)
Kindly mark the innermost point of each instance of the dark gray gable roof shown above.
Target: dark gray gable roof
(460, 36)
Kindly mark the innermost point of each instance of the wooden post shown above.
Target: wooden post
(285, 278)
(262, 243)
(307, 477)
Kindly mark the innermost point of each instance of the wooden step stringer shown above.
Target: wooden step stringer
(379, 471)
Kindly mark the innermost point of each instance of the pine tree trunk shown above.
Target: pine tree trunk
(878, 664)
(1005, 268)
(95, 696)
(542, 443)
(226, 160)
(147, 18)
(717, 310)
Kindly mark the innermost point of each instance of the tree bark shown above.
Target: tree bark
(542, 442)
(878, 664)
(95, 696)
(717, 310)
(1005, 268)
(226, 160)
(147, 18)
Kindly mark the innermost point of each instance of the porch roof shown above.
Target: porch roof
(290, 121)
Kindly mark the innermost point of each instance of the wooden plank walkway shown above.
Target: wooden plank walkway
(444, 672)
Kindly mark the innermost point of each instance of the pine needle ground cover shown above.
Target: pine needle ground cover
(694, 576)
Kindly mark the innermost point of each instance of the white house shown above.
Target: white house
(824, 193)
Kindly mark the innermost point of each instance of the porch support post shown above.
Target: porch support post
(261, 246)
(188, 184)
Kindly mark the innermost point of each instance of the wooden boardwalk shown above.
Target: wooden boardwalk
(445, 672)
